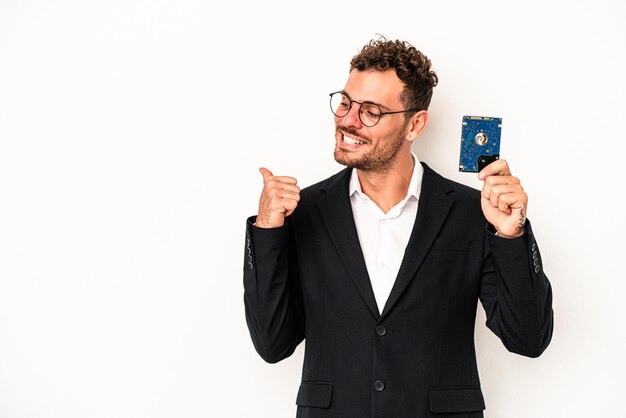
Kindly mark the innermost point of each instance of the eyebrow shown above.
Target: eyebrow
(367, 101)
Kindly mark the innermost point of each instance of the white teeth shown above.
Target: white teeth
(353, 141)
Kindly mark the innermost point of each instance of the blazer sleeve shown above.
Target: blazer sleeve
(272, 295)
(516, 294)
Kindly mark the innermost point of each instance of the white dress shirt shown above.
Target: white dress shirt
(384, 237)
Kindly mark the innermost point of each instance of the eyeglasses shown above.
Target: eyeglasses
(369, 113)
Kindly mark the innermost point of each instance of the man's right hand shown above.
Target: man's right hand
(279, 198)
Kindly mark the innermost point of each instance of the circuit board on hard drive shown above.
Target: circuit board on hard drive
(480, 142)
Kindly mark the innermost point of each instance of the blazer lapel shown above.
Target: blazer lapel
(434, 205)
(337, 214)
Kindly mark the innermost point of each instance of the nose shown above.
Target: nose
(352, 119)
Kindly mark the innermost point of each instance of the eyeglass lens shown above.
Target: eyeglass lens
(369, 113)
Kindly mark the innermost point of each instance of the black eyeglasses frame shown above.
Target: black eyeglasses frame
(362, 103)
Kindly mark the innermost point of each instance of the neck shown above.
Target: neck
(387, 188)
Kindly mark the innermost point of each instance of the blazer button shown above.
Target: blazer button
(534, 254)
(534, 246)
(379, 385)
(537, 269)
(381, 330)
(535, 261)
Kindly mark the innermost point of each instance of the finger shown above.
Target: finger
(290, 195)
(281, 203)
(290, 187)
(512, 201)
(285, 179)
(289, 204)
(273, 187)
(493, 181)
(265, 173)
(286, 206)
(504, 207)
(496, 168)
(282, 193)
(499, 190)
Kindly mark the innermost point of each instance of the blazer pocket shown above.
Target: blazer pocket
(456, 399)
(316, 394)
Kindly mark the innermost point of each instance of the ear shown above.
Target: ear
(417, 124)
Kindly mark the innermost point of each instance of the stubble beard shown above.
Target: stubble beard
(378, 160)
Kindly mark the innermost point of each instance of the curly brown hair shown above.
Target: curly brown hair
(412, 68)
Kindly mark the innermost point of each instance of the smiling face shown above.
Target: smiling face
(373, 148)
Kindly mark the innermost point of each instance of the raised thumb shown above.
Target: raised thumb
(265, 173)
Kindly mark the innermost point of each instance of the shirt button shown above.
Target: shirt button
(379, 385)
(382, 221)
(381, 330)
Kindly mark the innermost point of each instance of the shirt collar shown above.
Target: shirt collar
(415, 185)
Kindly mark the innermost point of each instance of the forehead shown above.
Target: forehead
(383, 87)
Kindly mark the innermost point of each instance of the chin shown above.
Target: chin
(343, 159)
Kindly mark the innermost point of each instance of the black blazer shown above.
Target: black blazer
(308, 280)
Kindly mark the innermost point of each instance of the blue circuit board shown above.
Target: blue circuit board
(480, 142)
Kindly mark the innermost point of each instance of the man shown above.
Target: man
(380, 267)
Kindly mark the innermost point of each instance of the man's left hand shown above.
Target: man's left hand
(503, 199)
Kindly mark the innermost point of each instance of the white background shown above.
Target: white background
(130, 137)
